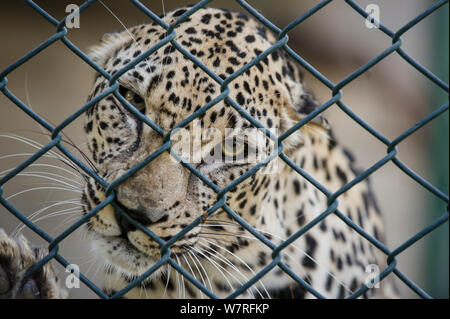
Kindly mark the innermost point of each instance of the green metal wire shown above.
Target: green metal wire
(282, 43)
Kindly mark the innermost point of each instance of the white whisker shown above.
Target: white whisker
(38, 212)
(40, 175)
(221, 257)
(168, 279)
(68, 220)
(222, 270)
(297, 248)
(190, 268)
(183, 285)
(117, 18)
(58, 213)
(41, 188)
(198, 271)
(70, 211)
(77, 176)
(74, 201)
(240, 260)
(177, 274)
(39, 146)
(193, 254)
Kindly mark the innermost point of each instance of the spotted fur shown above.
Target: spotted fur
(165, 196)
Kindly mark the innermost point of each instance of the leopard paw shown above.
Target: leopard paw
(17, 255)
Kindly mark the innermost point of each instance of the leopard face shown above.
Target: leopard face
(165, 196)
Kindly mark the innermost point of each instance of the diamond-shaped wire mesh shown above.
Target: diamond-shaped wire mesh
(60, 35)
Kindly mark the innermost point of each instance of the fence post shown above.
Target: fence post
(438, 245)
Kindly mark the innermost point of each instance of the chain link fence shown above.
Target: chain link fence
(335, 89)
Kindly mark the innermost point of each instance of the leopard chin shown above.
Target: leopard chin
(120, 254)
(128, 254)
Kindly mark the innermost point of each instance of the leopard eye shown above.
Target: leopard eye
(133, 98)
(231, 147)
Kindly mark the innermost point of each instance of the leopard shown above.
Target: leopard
(272, 224)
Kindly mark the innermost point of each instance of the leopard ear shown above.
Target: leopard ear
(304, 104)
(109, 42)
(299, 105)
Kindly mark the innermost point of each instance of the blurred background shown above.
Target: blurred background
(391, 97)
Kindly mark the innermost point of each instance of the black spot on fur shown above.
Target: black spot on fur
(191, 30)
(290, 292)
(296, 184)
(341, 175)
(253, 210)
(206, 18)
(329, 283)
(240, 99)
(250, 38)
(300, 217)
(88, 127)
(311, 245)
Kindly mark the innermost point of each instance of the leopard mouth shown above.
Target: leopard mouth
(125, 225)
(130, 238)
